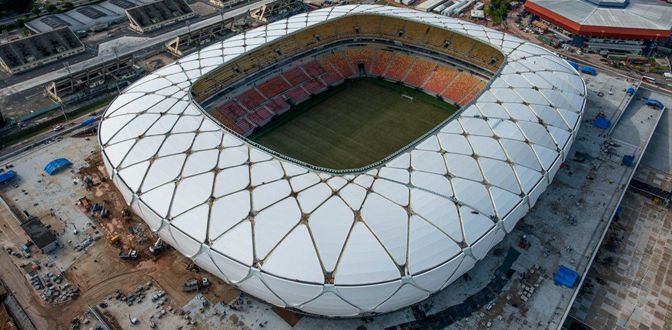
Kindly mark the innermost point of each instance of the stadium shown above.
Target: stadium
(349, 161)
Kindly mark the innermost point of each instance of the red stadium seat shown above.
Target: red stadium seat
(295, 76)
(297, 95)
(273, 86)
(314, 86)
(313, 69)
(277, 105)
(251, 99)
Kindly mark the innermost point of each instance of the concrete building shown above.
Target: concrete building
(43, 238)
(620, 26)
(190, 41)
(156, 15)
(39, 49)
(84, 84)
(278, 10)
(95, 17)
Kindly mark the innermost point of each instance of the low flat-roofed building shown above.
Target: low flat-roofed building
(39, 49)
(156, 15)
(43, 238)
(94, 17)
(614, 25)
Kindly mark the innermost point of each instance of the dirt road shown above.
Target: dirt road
(17, 283)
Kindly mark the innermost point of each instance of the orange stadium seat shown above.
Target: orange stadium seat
(440, 78)
(331, 76)
(360, 55)
(460, 87)
(399, 66)
(419, 72)
(472, 94)
(341, 64)
(381, 61)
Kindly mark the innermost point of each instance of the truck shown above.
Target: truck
(131, 254)
(194, 284)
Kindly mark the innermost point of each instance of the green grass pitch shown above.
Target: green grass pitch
(354, 124)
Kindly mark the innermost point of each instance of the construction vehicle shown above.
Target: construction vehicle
(193, 268)
(131, 254)
(194, 284)
(114, 239)
(157, 247)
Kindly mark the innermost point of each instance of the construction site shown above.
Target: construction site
(75, 256)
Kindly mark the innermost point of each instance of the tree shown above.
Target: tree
(18, 6)
(68, 6)
(50, 7)
(498, 10)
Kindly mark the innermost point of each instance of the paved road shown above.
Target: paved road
(133, 46)
(512, 28)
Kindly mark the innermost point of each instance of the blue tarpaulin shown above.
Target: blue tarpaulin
(574, 65)
(566, 277)
(589, 70)
(7, 176)
(655, 103)
(89, 121)
(56, 165)
(630, 90)
(602, 122)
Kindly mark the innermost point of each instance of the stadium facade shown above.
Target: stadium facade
(343, 243)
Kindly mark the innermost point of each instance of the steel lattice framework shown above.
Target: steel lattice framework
(342, 244)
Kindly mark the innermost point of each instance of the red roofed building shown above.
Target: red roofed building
(616, 25)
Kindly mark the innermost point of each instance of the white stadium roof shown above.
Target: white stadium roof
(383, 239)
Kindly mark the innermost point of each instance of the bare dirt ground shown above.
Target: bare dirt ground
(155, 62)
(99, 271)
(203, 9)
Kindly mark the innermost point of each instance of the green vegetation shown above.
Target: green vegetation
(15, 6)
(497, 10)
(354, 124)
